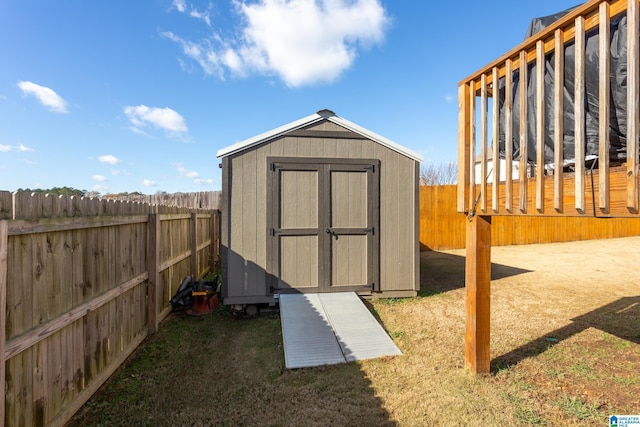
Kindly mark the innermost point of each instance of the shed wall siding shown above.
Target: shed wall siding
(247, 204)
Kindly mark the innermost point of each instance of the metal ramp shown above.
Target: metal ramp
(330, 328)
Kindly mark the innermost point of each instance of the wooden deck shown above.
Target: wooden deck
(608, 191)
(534, 192)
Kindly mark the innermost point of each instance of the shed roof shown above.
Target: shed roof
(309, 120)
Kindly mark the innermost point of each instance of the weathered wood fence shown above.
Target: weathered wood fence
(82, 282)
(442, 227)
(199, 200)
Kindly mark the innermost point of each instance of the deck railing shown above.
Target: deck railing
(486, 100)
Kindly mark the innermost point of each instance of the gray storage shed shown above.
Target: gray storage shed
(319, 205)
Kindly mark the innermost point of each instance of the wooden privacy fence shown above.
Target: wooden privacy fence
(82, 281)
(442, 227)
(199, 200)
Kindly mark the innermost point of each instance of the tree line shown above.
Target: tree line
(70, 191)
(445, 173)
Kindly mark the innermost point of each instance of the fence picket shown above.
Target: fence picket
(444, 228)
(4, 243)
(73, 293)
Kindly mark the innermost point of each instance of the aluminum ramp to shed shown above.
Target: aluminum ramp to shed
(330, 328)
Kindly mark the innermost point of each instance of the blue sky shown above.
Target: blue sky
(123, 96)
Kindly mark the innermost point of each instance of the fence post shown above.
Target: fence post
(4, 243)
(194, 245)
(154, 273)
(212, 236)
(214, 249)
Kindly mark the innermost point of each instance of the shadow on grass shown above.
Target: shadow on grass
(442, 272)
(217, 370)
(620, 318)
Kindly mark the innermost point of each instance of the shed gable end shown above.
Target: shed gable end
(326, 129)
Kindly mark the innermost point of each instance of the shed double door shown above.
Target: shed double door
(323, 225)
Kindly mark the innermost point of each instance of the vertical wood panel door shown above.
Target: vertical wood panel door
(322, 225)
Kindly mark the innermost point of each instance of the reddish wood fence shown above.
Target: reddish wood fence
(82, 282)
(442, 227)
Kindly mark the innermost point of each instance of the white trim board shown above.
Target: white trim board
(309, 120)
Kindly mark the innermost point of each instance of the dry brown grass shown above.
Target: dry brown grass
(565, 349)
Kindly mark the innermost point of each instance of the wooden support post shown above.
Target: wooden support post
(463, 148)
(495, 156)
(4, 243)
(194, 245)
(484, 142)
(154, 271)
(633, 105)
(604, 106)
(558, 121)
(523, 169)
(508, 136)
(472, 147)
(579, 114)
(540, 125)
(478, 285)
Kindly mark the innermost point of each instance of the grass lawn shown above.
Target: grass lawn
(565, 351)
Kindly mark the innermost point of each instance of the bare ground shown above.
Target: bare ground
(565, 351)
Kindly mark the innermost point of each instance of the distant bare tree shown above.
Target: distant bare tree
(445, 173)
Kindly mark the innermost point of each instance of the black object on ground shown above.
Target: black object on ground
(183, 299)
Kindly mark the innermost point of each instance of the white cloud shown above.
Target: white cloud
(301, 41)
(203, 16)
(149, 183)
(203, 53)
(99, 178)
(100, 188)
(45, 95)
(192, 175)
(163, 118)
(203, 182)
(21, 147)
(186, 172)
(110, 159)
(182, 7)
